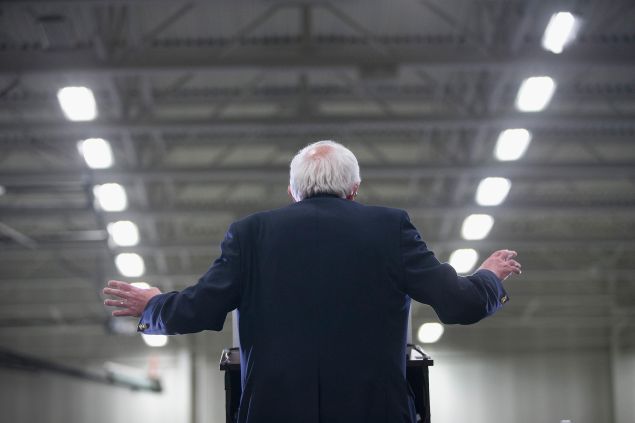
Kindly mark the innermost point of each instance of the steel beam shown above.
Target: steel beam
(165, 60)
(322, 125)
(240, 209)
(22, 239)
(216, 101)
(553, 171)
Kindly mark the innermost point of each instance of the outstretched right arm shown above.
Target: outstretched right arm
(454, 298)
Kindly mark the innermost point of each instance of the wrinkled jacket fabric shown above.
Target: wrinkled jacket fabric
(323, 288)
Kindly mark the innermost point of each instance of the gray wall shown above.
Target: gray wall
(532, 387)
(624, 390)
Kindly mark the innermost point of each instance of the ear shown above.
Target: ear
(353, 193)
(290, 194)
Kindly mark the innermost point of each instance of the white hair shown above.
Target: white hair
(324, 167)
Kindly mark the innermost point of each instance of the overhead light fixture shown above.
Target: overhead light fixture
(110, 197)
(155, 340)
(492, 191)
(96, 152)
(512, 144)
(130, 264)
(477, 226)
(561, 30)
(78, 103)
(430, 333)
(142, 285)
(463, 260)
(535, 93)
(3, 190)
(124, 233)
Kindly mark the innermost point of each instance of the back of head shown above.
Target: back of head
(324, 167)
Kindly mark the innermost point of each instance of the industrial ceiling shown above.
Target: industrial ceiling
(204, 103)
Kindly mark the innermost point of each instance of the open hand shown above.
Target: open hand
(502, 263)
(129, 300)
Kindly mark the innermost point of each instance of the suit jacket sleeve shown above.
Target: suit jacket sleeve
(455, 299)
(203, 306)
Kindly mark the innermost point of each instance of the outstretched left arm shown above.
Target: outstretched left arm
(203, 306)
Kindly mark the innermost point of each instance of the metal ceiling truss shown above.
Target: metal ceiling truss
(317, 126)
(242, 208)
(468, 78)
(555, 171)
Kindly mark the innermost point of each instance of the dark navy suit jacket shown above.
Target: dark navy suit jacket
(323, 288)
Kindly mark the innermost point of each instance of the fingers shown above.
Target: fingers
(504, 254)
(513, 263)
(125, 312)
(513, 266)
(116, 303)
(120, 285)
(126, 298)
(116, 293)
(502, 263)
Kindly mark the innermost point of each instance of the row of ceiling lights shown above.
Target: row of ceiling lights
(112, 197)
(534, 95)
(78, 104)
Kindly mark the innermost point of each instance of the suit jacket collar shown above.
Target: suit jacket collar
(323, 195)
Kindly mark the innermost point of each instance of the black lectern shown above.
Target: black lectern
(416, 374)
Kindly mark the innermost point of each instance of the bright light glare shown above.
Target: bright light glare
(110, 197)
(124, 233)
(477, 226)
(561, 30)
(512, 144)
(130, 264)
(492, 191)
(155, 340)
(535, 93)
(142, 285)
(96, 152)
(429, 333)
(463, 260)
(78, 103)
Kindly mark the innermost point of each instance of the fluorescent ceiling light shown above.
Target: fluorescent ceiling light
(463, 260)
(477, 226)
(155, 340)
(110, 197)
(535, 93)
(78, 103)
(130, 264)
(97, 153)
(124, 233)
(142, 285)
(492, 191)
(512, 144)
(429, 333)
(561, 30)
